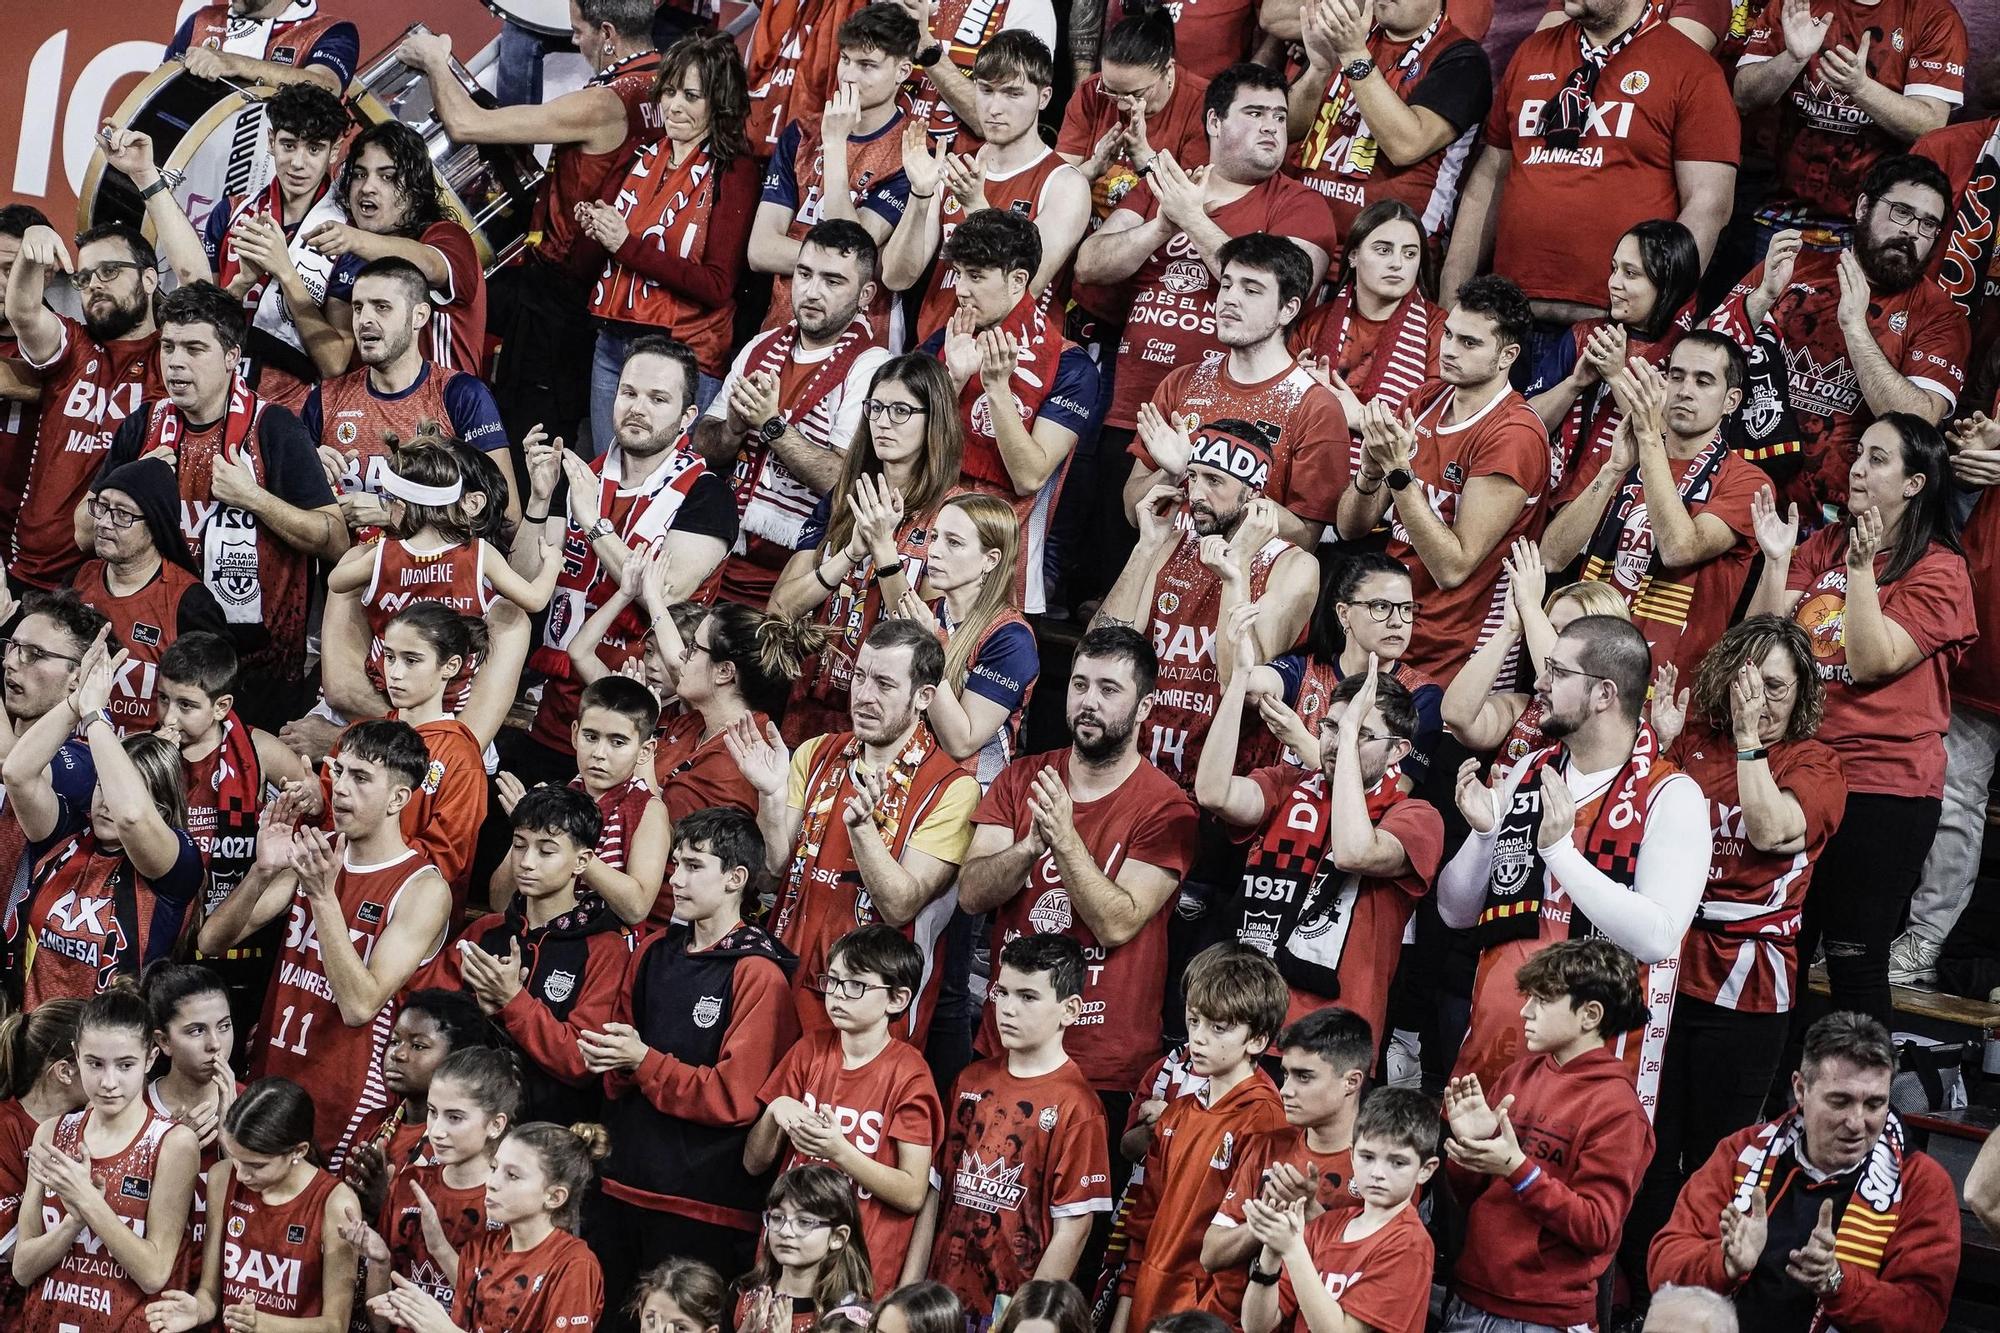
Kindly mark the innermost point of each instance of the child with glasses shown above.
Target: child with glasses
(814, 1257)
(857, 1097)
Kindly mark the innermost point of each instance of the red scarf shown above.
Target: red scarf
(1038, 348)
(775, 504)
(235, 791)
(1401, 361)
(667, 208)
(271, 204)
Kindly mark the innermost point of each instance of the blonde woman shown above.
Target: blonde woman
(1509, 722)
(990, 658)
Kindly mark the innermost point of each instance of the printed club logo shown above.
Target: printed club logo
(707, 1010)
(1635, 82)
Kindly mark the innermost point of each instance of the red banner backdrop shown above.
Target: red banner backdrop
(64, 67)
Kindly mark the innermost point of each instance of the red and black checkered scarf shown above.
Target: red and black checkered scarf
(1516, 876)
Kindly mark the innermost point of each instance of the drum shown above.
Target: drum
(548, 18)
(489, 188)
(210, 131)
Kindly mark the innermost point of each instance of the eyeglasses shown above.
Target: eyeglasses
(792, 1224)
(1557, 671)
(691, 647)
(846, 988)
(896, 412)
(1119, 94)
(30, 655)
(1779, 691)
(104, 274)
(112, 515)
(1330, 725)
(1922, 223)
(1379, 610)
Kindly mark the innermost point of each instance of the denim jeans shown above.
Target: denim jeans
(1462, 1318)
(518, 76)
(1970, 748)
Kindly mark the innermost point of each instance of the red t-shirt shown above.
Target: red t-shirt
(1018, 1154)
(694, 774)
(1148, 819)
(1179, 128)
(1172, 321)
(88, 389)
(1312, 457)
(1924, 336)
(1383, 1279)
(462, 1213)
(1742, 950)
(1505, 439)
(1381, 909)
(1660, 100)
(1890, 736)
(555, 1285)
(1682, 612)
(458, 323)
(1826, 141)
(888, 1101)
(1287, 1144)
(1209, 35)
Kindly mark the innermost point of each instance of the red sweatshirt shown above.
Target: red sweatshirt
(1537, 1241)
(1188, 1169)
(1909, 1292)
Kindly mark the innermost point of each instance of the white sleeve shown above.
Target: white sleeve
(718, 407)
(847, 416)
(1673, 869)
(1036, 16)
(1461, 886)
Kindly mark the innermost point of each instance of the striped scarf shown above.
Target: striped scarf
(775, 504)
(1400, 362)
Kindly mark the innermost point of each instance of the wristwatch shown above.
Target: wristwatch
(1358, 68)
(1259, 1277)
(768, 433)
(930, 55)
(604, 527)
(1399, 477)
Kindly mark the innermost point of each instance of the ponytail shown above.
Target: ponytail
(31, 1041)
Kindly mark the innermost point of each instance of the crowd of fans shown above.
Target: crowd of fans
(515, 792)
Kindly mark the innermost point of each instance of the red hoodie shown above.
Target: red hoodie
(1537, 1241)
(1909, 1292)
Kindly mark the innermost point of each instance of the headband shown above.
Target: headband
(394, 483)
(1244, 457)
(859, 1314)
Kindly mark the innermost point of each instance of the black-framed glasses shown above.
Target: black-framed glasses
(105, 273)
(1923, 224)
(846, 988)
(1379, 609)
(691, 647)
(31, 655)
(111, 515)
(896, 412)
(792, 1224)
(1557, 671)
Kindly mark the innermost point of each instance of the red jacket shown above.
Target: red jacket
(1536, 1242)
(1909, 1293)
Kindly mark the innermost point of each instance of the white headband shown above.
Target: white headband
(416, 492)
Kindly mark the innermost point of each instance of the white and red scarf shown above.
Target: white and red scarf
(227, 541)
(774, 503)
(264, 299)
(1401, 360)
(1038, 347)
(667, 209)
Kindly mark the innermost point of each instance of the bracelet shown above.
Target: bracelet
(1528, 1180)
(1261, 1278)
(883, 573)
(931, 195)
(1745, 756)
(1363, 489)
(536, 518)
(819, 573)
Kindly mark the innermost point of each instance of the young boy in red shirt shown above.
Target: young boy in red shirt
(1368, 1262)
(1547, 1164)
(1326, 1056)
(1236, 1001)
(858, 1098)
(1024, 1163)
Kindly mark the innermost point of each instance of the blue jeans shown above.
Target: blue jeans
(607, 359)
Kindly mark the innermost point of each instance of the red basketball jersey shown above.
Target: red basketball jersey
(88, 1291)
(271, 1255)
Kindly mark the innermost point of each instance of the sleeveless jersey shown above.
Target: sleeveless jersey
(1019, 192)
(455, 575)
(88, 1291)
(197, 1223)
(305, 1039)
(1184, 601)
(90, 916)
(288, 44)
(575, 175)
(963, 26)
(146, 622)
(271, 1253)
(354, 418)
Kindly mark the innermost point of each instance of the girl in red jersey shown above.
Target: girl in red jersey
(109, 1187)
(40, 1081)
(193, 1029)
(438, 1205)
(526, 1272)
(1650, 294)
(814, 1257)
(1484, 718)
(278, 1250)
(990, 658)
(1377, 339)
(431, 1025)
(110, 896)
(867, 542)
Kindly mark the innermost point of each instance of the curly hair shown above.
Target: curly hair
(421, 187)
(1752, 641)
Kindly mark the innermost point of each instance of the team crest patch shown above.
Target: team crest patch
(1899, 321)
(1047, 1119)
(236, 1226)
(1225, 1151)
(1635, 82)
(295, 1234)
(347, 432)
(1169, 603)
(706, 1010)
(212, 43)
(369, 914)
(1454, 474)
(135, 1187)
(434, 777)
(560, 986)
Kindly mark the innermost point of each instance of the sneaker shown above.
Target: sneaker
(1913, 960)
